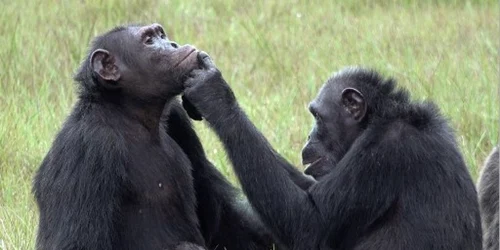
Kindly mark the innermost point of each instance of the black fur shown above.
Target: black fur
(101, 188)
(488, 200)
(226, 219)
(127, 171)
(402, 184)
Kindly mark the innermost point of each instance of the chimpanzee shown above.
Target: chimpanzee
(390, 173)
(488, 200)
(127, 171)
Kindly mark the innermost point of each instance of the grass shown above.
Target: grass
(275, 55)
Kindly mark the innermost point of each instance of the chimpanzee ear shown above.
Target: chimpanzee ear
(354, 102)
(104, 64)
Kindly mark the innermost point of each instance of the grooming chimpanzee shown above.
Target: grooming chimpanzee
(488, 200)
(127, 171)
(389, 173)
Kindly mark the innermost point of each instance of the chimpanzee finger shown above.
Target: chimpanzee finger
(195, 73)
(191, 78)
(190, 82)
(205, 60)
(190, 109)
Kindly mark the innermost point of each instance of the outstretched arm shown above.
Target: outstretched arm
(226, 221)
(260, 169)
(299, 178)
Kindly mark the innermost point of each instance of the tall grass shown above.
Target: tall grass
(275, 54)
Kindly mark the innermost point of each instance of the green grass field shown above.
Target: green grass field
(275, 55)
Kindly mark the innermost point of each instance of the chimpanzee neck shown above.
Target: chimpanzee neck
(139, 112)
(146, 114)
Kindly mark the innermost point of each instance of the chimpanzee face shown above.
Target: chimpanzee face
(338, 111)
(143, 62)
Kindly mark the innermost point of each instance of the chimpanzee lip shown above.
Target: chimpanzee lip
(185, 57)
(315, 162)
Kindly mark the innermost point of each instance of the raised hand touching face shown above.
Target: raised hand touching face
(206, 92)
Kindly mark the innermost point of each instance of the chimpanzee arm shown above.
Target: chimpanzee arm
(79, 189)
(299, 178)
(284, 207)
(265, 180)
(364, 186)
(226, 219)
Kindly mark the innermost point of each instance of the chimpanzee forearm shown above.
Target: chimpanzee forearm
(263, 173)
(299, 178)
(225, 220)
(264, 176)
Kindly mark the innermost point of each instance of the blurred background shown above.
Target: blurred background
(274, 54)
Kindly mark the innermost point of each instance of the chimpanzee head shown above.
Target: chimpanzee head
(137, 62)
(338, 111)
(348, 104)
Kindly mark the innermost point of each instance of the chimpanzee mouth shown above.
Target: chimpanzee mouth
(308, 165)
(185, 57)
(190, 52)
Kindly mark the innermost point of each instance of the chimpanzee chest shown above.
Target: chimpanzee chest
(160, 172)
(160, 205)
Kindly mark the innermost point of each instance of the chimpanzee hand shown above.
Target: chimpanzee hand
(206, 92)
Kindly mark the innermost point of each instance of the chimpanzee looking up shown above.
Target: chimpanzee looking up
(127, 171)
(390, 173)
(488, 200)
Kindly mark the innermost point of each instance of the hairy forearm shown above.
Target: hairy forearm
(261, 172)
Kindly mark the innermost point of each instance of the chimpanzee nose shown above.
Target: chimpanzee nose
(174, 44)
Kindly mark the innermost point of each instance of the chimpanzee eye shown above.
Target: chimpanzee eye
(318, 119)
(149, 40)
